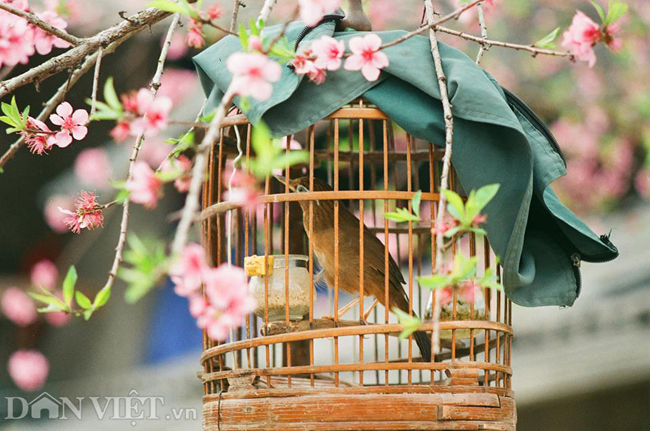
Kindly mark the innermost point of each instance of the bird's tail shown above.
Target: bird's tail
(423, 340)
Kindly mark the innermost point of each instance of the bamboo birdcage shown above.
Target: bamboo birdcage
(337, 373)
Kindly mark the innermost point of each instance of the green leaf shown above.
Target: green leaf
(411, 323)
(401, 215)
(616, 10)
(456, 207)
(111, 96)
(599, 9)
(102, 298)
(485, 194)
(83, 301)
(49, 300)
(415, 202)
(87, 314)
(547, 41)
(243, 37)
(168, 6)
(434, 281)
(68, 284)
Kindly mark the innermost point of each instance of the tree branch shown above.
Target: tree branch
(38, 22)
(74, 56)
(235, 14)
(446, 167)
(267, 8)
(124, 224)
(191, 206)
(484, 34)
(487, 42)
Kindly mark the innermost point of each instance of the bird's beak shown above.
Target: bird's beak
(283, 181)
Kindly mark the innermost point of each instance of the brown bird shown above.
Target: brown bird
(374, 264)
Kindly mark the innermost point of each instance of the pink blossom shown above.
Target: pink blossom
(177, 48)
(28, 369)
(87, 215)
(609, 37)
(303, 64)
(194, 36)
(55, 218)
(38, 143)
(255, 43)
(312, 11)
(43, 41)
(328, 52)
(244, 188)
(69, 8)
(177, 85)
(187, 272)
(144, 187)
(154, 113)
(467, 290)
(229, 302)
(18, 307)
(214, 12)
(121, 131)
(44, 274)
(198, 305)
(57, 318)
(155, 152)
(179, 168)
(72, 124)
(445, 296)
(366, 56)
(16, 40)
(93, 167)
(642, 183)
(253, 74)
(581, 36)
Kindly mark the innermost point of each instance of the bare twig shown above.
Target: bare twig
(433, 24)
(124, 224)
(98, 65)
(535, 51)
(35, 20)
(191, 206)
(235, 14)
(267, 8)
(484, 34)
(446, 166)
(74, 56)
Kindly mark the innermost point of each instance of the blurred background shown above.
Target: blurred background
(582, 368)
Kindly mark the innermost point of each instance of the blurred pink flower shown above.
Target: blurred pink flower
(328, 52)
(87, 214)
(16, 39)
(18, 307)
(144, 187)
(642, 183)
(253, 74)
(194, 37)
(73, 124)
(155, 152)
(312, 11)
(198, 305)
(38, 143)
(121, 131)
(214, 12)
(366, 56)
(58, 318)
(244, 188)
(93, 168)
(44, 274)
(43, 41)
(255, 43)
(28, 369)
(178, 84)
(54, 218)
(581, 36)
(177, 48)
(229, 302)
(154, 113)
(188, 271)
(180, 168)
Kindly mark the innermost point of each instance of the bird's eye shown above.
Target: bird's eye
(301, 189)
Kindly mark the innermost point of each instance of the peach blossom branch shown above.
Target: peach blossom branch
(35, 20)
